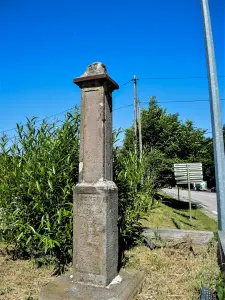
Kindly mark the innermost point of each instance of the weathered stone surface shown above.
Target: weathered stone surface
(96, 135)
(97, 80)
(65, 288)
(95, 246)
(95, 252)
(95, 240)
(169, 234)
(95, 69)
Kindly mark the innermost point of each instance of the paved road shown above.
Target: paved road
(205, 199)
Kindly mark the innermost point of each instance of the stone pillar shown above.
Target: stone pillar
(95, 241)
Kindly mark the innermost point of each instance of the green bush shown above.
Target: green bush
(37, 173)
(135, 199)
(220, 287)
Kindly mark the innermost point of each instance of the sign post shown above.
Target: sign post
(188, 173)
(189, 190)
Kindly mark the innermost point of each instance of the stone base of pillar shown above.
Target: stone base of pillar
(95, 242)
(124, 287)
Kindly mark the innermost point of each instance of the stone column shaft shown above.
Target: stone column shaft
(96, 134)
(95, 245)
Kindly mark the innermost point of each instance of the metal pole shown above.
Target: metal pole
(216, 119)
(189, 190)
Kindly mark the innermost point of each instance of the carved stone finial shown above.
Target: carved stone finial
(95, 69)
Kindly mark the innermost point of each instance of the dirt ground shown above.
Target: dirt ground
(175, 271)
(21, 279)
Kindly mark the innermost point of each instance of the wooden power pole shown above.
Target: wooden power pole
(140, 136)
(135, 114)
(139, 130)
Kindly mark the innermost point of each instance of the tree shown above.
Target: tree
(168, 140)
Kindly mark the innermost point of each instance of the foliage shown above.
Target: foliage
(220, 287)
(169, 212)
(207, 158)
(37, 172)
(40, 166)
(159, 168)
(134, 198)
(168, 140)
(166, 133)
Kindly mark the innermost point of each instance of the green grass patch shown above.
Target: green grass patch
(175, 272)
(168, 212)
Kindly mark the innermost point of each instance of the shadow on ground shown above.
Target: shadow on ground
(176, 204)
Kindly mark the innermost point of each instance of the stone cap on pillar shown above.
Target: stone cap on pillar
(95, 75)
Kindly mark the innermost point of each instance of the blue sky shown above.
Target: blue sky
(45, 44)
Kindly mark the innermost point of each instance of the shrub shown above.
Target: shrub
(37, 173)
(220, 287)
(134, 198)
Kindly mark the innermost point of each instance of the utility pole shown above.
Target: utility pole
(135, 123)
(216, 119)
(140, 135)
(139, 130)
(135, 114)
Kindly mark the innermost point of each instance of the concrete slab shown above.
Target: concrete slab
(167, 234)
(125, 286)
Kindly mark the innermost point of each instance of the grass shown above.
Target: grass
(21, 279)
(175, 272)
(168, 212)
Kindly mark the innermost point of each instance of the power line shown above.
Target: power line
(62, 112)
(11, 129)
(118, 108)
(3, 131)
(171, 78)
(128, 82)
(179, 101)
(123, 107)
(182, 101)
(178, 78)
